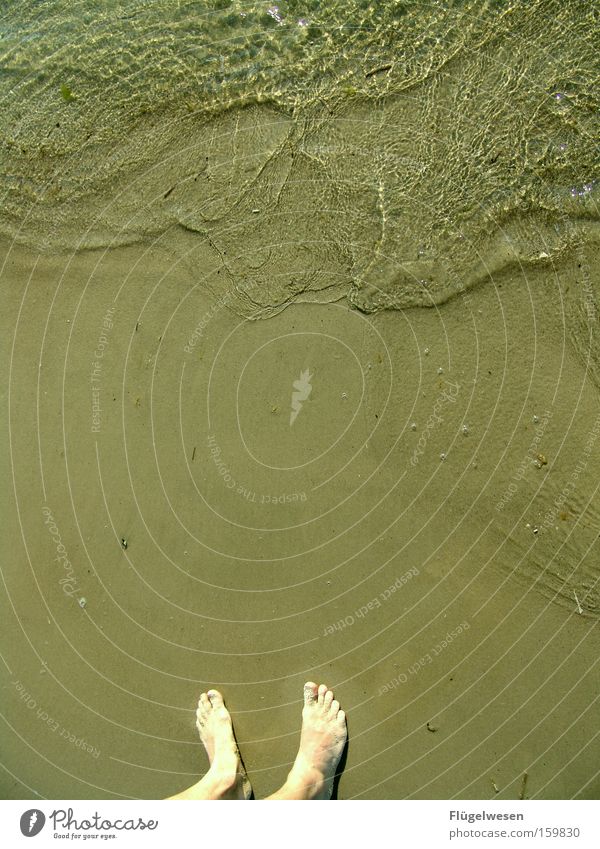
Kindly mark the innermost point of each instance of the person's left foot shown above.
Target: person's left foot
(213, 721)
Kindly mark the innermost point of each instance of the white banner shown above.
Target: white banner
(287, 825)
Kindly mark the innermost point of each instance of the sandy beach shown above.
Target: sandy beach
(303, 388)
(169, 530)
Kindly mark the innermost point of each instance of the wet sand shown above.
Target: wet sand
(423, 537)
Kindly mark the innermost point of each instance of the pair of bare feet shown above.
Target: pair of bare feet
(322, 742)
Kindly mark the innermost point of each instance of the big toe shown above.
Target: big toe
(216, 699)
(310, 693)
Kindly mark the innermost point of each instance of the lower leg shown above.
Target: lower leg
(322, 742)
(209, 787)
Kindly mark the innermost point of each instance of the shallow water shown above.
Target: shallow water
(416, 149)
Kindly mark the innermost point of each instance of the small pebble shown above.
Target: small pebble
(124, 543)
(82, 602)
(440, 370)
(465, 430)
(344, 395)
(426, 352)
(442, 456)
(535, 420)
(413, 426)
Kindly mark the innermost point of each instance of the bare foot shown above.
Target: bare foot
(322, 742)
(213, 721)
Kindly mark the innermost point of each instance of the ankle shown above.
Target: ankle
(222, 778)
(303, 780)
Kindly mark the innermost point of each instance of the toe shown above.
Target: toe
(335, 706)
(322, 691)
(203, 703)
(216, 699)
(328, 699)
(310, 693)
(341, 718)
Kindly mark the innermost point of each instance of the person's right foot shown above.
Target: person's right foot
(322, 742)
